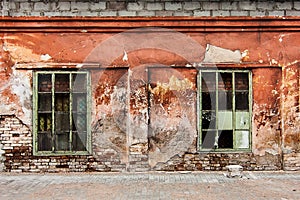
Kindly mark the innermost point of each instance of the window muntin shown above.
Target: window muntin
(61, 119)
(224, 110)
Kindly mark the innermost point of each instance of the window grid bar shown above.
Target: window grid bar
(233, 111)
(70, 112)
(35, 117)
(250, 106)
(53, 135)
(199, 110)
(216, 144)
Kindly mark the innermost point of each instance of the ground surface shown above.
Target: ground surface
(196, 185)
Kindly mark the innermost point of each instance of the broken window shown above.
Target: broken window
(61, 119)
(224, 109)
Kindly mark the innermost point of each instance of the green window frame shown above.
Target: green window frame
(61, 113)
(224, 110)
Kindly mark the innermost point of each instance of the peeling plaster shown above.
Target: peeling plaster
(216, 54)
(21, 87)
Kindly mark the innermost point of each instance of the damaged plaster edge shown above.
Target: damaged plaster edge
(42, 65)
(14, 115)
(215, 54)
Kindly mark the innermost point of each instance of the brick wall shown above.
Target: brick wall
(149, 8)
(16, 150)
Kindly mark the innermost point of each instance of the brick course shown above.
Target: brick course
(148, 7)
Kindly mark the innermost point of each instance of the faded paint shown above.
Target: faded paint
(144, 106)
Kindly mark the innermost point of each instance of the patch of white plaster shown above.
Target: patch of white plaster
(216, 54)
(125, 57)
(45, 57)
(21, 87)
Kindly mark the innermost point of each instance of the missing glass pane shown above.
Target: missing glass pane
(242, 101)
(208, 100)
(225, 139)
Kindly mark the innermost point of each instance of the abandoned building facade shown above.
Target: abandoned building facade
(149, 85)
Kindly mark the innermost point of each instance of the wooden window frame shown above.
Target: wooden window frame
(70, 111)
(199, 111)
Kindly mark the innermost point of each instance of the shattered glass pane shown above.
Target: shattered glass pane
(208, 120)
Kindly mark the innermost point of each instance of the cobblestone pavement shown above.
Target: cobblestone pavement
(153, 185)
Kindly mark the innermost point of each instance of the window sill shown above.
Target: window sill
(62, 153)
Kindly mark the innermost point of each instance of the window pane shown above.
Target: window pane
(208, 120)
(45, 83)
(79, 140)
(241, 81)
(242, 139)
(208, 139)
(208, 100)
(225, 139)
(79, 82)
(44, 142)
(62, 83)
(208, 81)
(62, 102)
(79, 122)
(62, 142)
(242, 101)
(242, 120)
(44, 102)
(225, 81)
(62, 122)
(225, 120)
(79, 103)
(44, 122)
(225, 100)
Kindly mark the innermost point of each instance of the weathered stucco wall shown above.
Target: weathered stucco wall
(144, 96)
